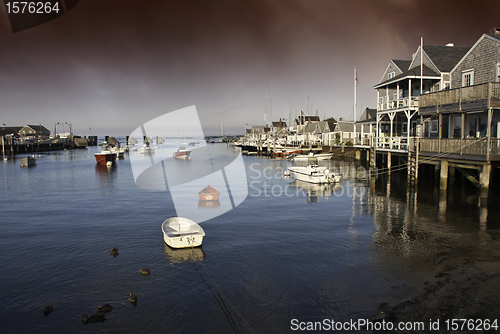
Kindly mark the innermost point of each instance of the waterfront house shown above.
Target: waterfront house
(354, 133)
(401, 85)
(465, 120)
(34, 130)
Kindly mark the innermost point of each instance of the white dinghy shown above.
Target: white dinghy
(181, 232)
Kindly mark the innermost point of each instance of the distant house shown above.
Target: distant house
(278, 126)
(356, 133)
(34, 130)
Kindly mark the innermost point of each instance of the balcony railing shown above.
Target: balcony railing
(483, 92)
(394, 143)
(400, 103)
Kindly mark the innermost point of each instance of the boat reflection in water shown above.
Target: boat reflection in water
(194, 254)
(209, 204)
(314, 191)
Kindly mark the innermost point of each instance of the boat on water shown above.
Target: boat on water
(208, 193)
(306, 157)
(105, 157)
(181, 232)
(182, 153)
(146, 148)
(314, 174)
(28, 161)
(192, 143)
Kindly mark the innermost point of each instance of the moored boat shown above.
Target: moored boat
(102, 158)
(208, 193)
(314, 174)
(182, 153)
(306, 157)
(181, 232)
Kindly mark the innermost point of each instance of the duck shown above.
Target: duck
(114, 251)
(132, 298)
(93, 318)
(145, 271)
(47, 309)
(105, 308)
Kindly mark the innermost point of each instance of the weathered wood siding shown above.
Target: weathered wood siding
(483, 59)
(427, 62)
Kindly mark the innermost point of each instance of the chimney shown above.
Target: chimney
(340, 119)
(495, 31)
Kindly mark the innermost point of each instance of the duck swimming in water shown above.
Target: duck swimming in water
(105, 308)
(132, 298)
(114, 251)
(47, 309)
(145, 271)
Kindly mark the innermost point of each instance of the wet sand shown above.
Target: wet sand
(469, 291)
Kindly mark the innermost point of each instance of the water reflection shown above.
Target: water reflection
(209, 204)
(315, 192)
(183, 254)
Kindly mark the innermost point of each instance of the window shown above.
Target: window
(498, 72)
(467, 78)
(392, 75)
(434, 125)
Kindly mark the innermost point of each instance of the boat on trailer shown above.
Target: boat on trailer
(314, 174)
(181, 232)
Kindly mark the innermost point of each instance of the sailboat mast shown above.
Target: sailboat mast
(221, 122)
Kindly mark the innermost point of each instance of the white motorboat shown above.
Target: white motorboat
(181, 232)
(314, 174)
(182, 153)
(312, 155)
(147, 150)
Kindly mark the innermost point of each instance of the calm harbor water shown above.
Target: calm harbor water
(289, 251)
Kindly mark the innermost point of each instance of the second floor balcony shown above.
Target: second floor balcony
(468, 98)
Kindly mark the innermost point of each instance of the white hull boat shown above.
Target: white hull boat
(181, 232)
(318, 157)
(314, 174)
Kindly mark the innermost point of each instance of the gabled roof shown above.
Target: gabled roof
(402, 64)
(277, 124)
(413, 73)
(445, 57)
(39, 128)
(493, 37)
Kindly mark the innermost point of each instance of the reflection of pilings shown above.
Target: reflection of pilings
(442, 205)
(443, 181)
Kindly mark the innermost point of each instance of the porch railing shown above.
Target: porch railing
(394, 143)
(400, 103)
(461, 95)
(460, 146)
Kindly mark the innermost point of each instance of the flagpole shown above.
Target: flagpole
(355, 94)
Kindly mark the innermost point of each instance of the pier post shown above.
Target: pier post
(358, 155)
(443, 182)
(484, 180)
(389, 163)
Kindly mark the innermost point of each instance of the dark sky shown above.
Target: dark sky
(111, 65)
